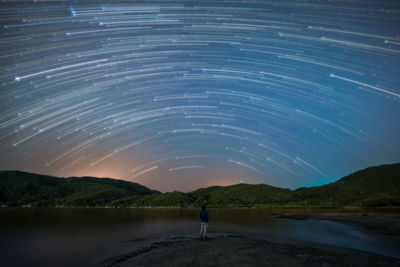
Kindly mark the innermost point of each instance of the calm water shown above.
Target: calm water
(65, 237)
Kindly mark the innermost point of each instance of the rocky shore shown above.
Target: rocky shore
(238, 250)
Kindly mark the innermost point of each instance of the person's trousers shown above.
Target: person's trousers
(203, 229)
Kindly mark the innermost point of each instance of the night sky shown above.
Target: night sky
(178, 95)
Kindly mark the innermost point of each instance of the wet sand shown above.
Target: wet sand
(237, 250)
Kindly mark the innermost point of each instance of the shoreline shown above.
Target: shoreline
(382, 223)
(240, 250)
(245, 250)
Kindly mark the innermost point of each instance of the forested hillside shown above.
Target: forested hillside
(371, 187)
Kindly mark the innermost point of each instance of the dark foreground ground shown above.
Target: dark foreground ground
(237, 250)
(240, 250)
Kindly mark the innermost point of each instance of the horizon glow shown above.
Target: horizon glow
(177, 95)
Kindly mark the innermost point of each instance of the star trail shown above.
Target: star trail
(178, 95)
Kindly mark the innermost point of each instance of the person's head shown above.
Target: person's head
(203, 207)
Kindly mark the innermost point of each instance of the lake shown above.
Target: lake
(80, 236)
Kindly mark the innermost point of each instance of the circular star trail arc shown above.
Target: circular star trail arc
(183, 94)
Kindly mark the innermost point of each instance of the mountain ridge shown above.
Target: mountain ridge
(373, 186)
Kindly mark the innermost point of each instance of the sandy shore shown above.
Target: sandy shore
(238, 250)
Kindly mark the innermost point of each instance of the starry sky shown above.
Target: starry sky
(178, 95)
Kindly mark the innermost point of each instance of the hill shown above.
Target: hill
(374, 186)
(28, 189)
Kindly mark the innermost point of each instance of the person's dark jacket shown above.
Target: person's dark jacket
(204, 216)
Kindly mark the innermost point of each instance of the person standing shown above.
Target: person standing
(204, 222)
